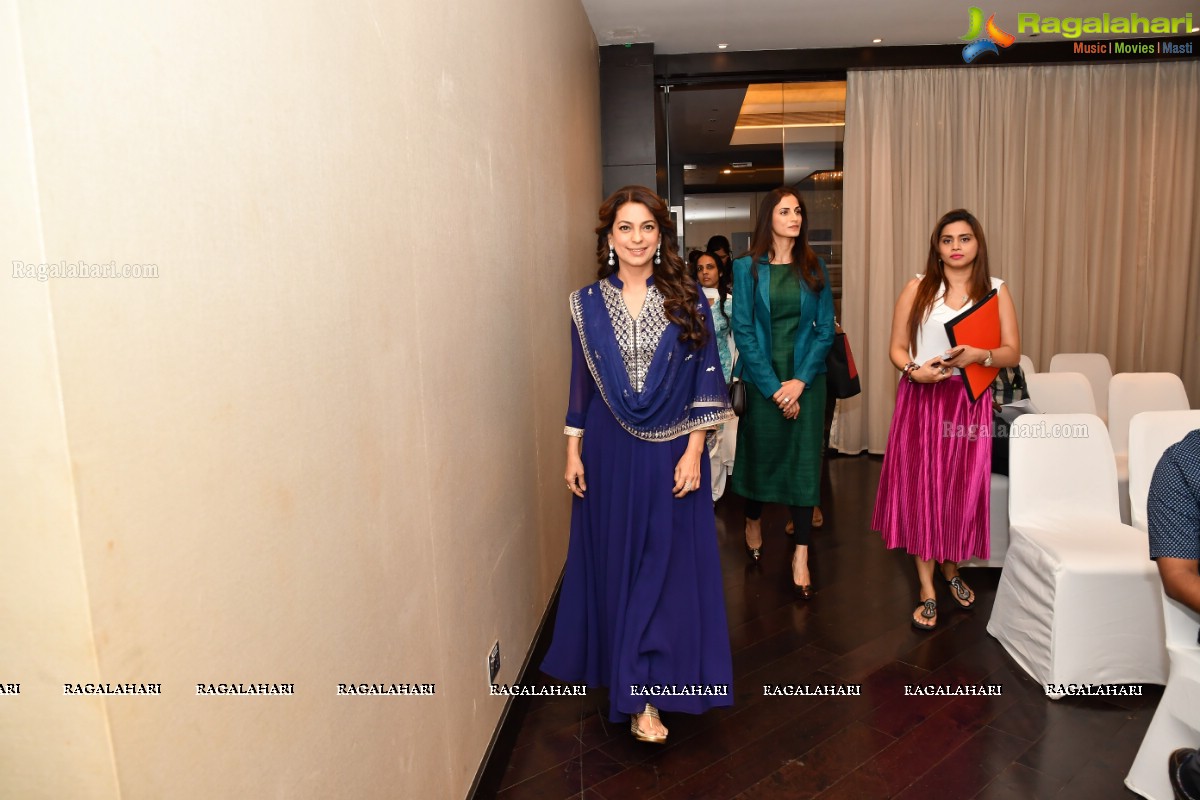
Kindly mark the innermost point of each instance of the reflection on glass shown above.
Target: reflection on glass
(732, 145)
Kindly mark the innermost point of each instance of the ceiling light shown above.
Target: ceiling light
(1196, 29)
(722, 46)
(792, 125)
(877, 41)
(726, 172)
(689, 166)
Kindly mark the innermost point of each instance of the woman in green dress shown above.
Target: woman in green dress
(783, 327)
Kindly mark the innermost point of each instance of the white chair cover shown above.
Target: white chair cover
(1130, 393)
(1095, 368)
(1176, 722)
(1078, 601)
(1156, 431)
(1027, 365)
(1060, 393)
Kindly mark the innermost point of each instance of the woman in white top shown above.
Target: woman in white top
(933, 491)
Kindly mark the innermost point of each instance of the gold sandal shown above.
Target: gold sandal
(642, 736)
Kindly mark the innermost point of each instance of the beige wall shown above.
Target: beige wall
(324, 444)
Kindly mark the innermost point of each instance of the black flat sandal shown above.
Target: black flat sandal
(961, 593)
(929, 612)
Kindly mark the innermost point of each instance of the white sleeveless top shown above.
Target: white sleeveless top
(931, 335)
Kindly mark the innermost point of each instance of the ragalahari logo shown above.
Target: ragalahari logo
(983, 38)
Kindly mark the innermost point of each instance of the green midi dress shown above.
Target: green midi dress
(779, 460)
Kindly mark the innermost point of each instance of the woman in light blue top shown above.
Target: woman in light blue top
(715, 280)
(708, 272)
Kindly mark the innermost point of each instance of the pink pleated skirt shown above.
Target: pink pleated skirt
(934, 490)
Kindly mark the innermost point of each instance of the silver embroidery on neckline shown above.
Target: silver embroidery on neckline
(699, 421)
(637, 338)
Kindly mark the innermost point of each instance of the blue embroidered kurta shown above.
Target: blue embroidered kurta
(642, 605)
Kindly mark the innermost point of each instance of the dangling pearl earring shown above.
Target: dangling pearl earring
(612, 261)
(658, 254)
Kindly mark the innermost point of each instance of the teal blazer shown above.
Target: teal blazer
(752, 328)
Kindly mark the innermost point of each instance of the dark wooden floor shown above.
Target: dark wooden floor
(882, 744)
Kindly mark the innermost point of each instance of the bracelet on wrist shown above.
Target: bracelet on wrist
(909, 369)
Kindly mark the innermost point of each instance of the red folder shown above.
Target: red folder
(978, 326)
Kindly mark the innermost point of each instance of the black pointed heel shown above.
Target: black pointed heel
(806, 592)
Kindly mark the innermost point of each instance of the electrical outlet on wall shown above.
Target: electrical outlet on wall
(493, 662)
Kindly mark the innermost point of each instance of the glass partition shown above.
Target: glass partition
(730, 145)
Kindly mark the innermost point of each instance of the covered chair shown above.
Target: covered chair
(1079, 599)
(1094, 367)
(1060, 393)
(1130, 393)
(1176, 722)
(1027, 365)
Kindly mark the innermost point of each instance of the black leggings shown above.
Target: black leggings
(801, 519)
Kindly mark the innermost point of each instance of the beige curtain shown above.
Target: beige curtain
(1085, 181)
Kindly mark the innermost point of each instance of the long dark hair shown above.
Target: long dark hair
(680, 295)
(724, 278)
(805, 265)
(935, 273)
(724, 272)
(719, 242)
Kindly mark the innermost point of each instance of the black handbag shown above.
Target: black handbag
(737, 396)
(1008, 387)
(737, 387)
(841, 374)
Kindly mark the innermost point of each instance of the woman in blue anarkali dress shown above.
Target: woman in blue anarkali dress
(641, 610)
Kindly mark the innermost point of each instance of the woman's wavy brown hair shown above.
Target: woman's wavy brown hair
(681, 298)
(935, 273)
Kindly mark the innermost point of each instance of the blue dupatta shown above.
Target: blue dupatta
(683, 389)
